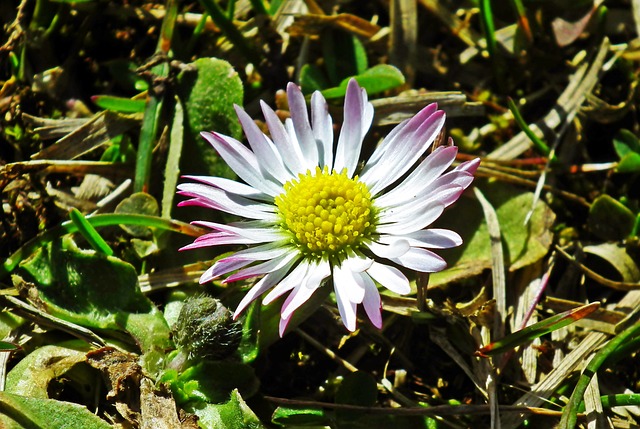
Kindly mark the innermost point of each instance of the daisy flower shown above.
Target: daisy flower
(312, 215)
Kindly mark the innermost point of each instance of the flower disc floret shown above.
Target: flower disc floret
(326, 212)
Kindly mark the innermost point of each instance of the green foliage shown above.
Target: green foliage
(95, 291)
(208, 90)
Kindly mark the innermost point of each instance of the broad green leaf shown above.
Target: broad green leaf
(234, 414)
(344, 55)
(95, 291)
(139, 203)
(32, 375)
(119, 104)
(629, 163)
(208, 88)
(536, 330)
(379, 78)
(626, 142)
(211, 381)
(609, 219)
(18, 412)
(618, 257)
(524, 244)
(312, 79)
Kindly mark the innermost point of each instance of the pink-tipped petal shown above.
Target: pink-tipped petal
(353, 129)
(318, 271)
(292, 280)
(266, 283)
(270, 162)
(290, 152)
(351, 288)
(301, 126)
(243, 162)
(371, 302)
(404, 149)
(421, 178)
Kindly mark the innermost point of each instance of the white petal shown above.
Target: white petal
(270, 162)
(371, 302)
(292, 280)
(301, 293)
(346, 308)
(421, 178)
(266, 283)
(353, 129)
(301, 126)
(322, 128)
(405, 221)
(390, 249)
(404, 149)
(265, 267)
(357, 262)
(290, 152)
(231, 187)
(217, 199)
(433, 238)
(243, 162)
(390, 277)
(421, 260)
(264, 234)
(352, 289)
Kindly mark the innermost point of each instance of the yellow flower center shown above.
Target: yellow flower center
(326, 213)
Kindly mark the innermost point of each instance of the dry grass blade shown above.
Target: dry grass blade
(404, 35)
(92, 134)
(581, 83)
(394, 110)
(577, 358)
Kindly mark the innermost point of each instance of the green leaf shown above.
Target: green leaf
(89, 232)
(235, 414)
(8, 347)
(95, 291)
(609, 219)
(626, 142)
(288, 417)
(357, 388)
(17, 412)
(139, 203)
(32, 375)
(312, 79)
(629, 163)
(344, 55)
(524, 244)
(208, 88)
(212, 381)
(379, 78)
(119, 104)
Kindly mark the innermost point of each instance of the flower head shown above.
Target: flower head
(311, 214)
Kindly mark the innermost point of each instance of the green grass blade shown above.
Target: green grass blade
(537, 329)
(89, 232)
(537, 142)
(570, 414)
(119, 104)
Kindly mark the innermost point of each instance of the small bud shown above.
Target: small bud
(205, 329)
